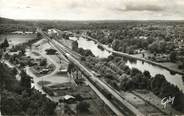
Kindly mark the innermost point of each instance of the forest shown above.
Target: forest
(18, 98)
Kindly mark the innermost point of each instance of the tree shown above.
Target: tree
(130, 50)
(10, 104)
(135, 71)
(70, 66)
(157, 46)
(114, 84)
(126, 84)
(25, 80)
(115, 44)
(83, 107)
(181, 66)
(153, 47)
(74, 45)
(48, 107)
(16, 100)
(144, 44)
(50, 51)
(127, 70)
(14, 71)
(173, 56)
(83, 52)
(43, 62)
(88, 53)
(65, 36)
(5, 44)
(39, 36)
(147, 74)
(1, 54)
(8, 80)
(109, 76)
(22, 52)
(179, 102)
(156, 83)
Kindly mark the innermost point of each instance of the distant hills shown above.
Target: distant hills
(6, 20)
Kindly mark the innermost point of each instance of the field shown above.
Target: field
(15, 39)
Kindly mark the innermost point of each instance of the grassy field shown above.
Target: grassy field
(15, 39)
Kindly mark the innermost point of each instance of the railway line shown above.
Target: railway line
(116, 103)
(101, 96)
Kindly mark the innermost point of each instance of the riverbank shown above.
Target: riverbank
(170, 65)
(134, 57)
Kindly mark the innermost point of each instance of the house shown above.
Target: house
(44, 71)
(28, 32)
(52, 32)
(143, 37)
(17, 32)
(69, 99)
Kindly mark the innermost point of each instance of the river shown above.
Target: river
(175, 79)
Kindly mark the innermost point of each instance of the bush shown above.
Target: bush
(48, 90)
(181, 66)
(135, 71)
(74, 45)
(83, 107)
(50, 51)
(43, 62)
(147, 74)
(173, 56)
(84, 52)
(156, 83)
(5, 44)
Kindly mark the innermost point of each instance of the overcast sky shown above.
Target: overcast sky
(93, 9)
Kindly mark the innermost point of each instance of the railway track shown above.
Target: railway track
(119, 105)
(101, 96)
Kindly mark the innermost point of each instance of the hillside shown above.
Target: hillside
(6, 20)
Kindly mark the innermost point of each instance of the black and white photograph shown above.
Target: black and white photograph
(91, 57)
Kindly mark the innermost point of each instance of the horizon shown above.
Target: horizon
(95, 20)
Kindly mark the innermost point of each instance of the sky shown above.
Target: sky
(93, 9)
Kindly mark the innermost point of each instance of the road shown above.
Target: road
(64, 50)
